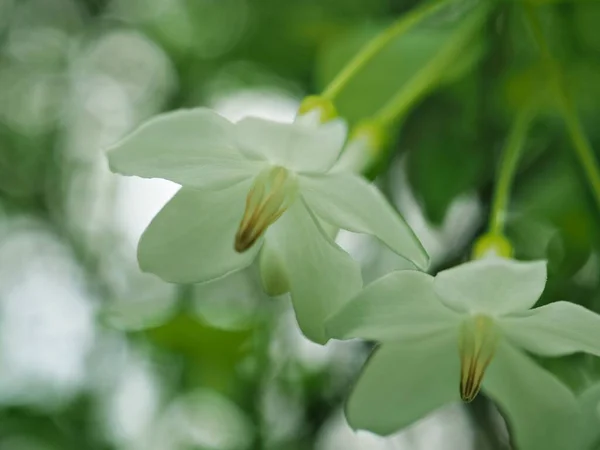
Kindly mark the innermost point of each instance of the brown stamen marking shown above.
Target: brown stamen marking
(477, 344)
(271, 194)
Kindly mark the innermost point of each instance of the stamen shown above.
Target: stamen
(272, 193)
(477, 344)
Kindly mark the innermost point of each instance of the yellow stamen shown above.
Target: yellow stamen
(477, 344)
(272, 193)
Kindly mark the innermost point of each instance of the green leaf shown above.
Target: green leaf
(575, 370)
(187, 335)
(536, 239)
(24, 163)
(533, 84)
(211, 355)
(441, 133)
(553, 192)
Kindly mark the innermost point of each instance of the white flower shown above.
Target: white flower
(258, 187)
(443, 337)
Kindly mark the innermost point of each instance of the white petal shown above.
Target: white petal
(556, 329)
(191, 239)
(272, 274)
(321, 276)
(193, 147)
(403, 382)
(492, 285)
(540, 410)
(589, 401)
(310, 119)
(296, 146)
(401, 305)
(350, 202)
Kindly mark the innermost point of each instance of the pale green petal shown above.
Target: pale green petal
(272, 274)
(321, 276)
(403, 382)
(401, 305)
(350, 202)
(540, 410)
(296, 146)
(589, 402)
(492, 285)
(193, 147)
(191, 239)
(556, 329)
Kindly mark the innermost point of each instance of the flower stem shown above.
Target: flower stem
(508, 166)
(373, 47)
(581, 144)
(582, 147)
(431, 73)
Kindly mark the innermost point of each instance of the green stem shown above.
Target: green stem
(373, 47)
(508, 167)
(581, 144)
(426, 78)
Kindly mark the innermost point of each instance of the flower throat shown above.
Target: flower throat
(477, 344)
(271, 194)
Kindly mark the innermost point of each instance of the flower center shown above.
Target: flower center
(273, 192)
(477, 343)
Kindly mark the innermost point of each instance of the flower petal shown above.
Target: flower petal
(401, 305)
(191, 239)
(296, 146)
(540, 410)
(350, 202)
(556, 329)
(492, 285)
(403, 382)
(193, 147)
(321, 276)
(589, 402)
(273, 277)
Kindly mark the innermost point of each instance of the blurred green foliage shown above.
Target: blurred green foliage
(76, 75)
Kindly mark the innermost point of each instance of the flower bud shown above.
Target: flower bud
(491, 244)
(315, 104)
(376, 135)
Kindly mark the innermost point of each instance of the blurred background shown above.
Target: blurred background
(95, 355)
